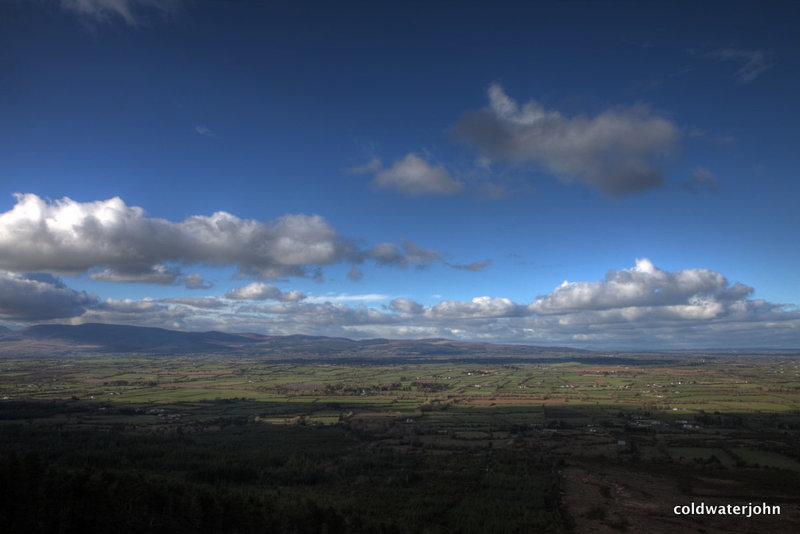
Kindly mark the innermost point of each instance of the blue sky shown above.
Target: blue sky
(599, 175)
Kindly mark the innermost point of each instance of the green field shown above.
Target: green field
(246, 445)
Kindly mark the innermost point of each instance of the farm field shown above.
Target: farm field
(237, 444)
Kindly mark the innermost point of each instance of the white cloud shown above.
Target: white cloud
(641, 286)
(477, 307)
(413, 176)
(617, 151)
(119, 243)
(263, 291)
(283, 246)
(66, 236)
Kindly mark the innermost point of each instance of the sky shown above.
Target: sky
(601, 175)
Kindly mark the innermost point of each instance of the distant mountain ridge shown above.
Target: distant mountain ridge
(55, 339)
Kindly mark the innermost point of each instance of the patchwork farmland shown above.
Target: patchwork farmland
(558, 446)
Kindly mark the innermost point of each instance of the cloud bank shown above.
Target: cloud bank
(642, 307)
(617, 151)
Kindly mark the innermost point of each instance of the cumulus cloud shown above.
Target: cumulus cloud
(119, 243)
(617, 151)
(477, 307)
(263, 291)
(414, 176)
(753, 62)
(129, 11)
(644, 285)
(279, 247)
(66, 236)
(40, 296)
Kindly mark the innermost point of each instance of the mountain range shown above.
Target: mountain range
(61, 339)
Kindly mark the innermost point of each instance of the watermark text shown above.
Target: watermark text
(747, 510)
